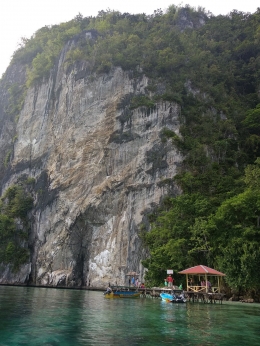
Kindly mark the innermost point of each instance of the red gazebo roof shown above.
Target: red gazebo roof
(201, 269)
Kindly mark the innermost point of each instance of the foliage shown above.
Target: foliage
(14, 206)
(7, 158)
(141, 100)
(237, 233)
(39, 52)
(16, 99)
(169, 241)
(252, 120)
(227, 237)
(16, 203)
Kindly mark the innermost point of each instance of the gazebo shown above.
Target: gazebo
(202, 272)
(132, 273)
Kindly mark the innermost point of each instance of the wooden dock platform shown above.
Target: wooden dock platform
(154, 292)
(204, 297)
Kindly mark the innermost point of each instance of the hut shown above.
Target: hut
(133, 274)
(201, 283)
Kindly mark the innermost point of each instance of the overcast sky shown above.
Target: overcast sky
(21, 18)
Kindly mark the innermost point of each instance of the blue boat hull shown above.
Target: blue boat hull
(172, 298)
(166, 297)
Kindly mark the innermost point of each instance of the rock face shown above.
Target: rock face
(99, 168)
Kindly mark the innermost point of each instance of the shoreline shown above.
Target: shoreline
(85, 288)
(102, 289)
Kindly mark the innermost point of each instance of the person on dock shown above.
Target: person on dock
(108, 291)
(190, 283)
(170, 281)
(136, 282)
(133, 281)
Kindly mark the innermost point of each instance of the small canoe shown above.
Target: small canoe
(122, 294)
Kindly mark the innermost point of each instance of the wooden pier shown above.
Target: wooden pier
(204, 297)
(191, 296)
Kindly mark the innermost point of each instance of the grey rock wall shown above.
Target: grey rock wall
(99, 167)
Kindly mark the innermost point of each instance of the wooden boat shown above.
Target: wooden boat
(172, 298)
(121, 294)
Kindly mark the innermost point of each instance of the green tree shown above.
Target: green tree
(14, 205)
(234, 233)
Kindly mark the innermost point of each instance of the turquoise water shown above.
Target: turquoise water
(44, 316)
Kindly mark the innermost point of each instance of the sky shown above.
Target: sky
(21, 18)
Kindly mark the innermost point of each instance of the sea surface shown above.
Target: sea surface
(47, 316)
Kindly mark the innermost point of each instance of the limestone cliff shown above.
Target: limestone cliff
(99, 167)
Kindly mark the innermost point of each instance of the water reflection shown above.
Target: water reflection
(40, 316)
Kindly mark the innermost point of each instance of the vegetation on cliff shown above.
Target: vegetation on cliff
(210, 66)
(14, 207)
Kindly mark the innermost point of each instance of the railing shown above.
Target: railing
(202, 289)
